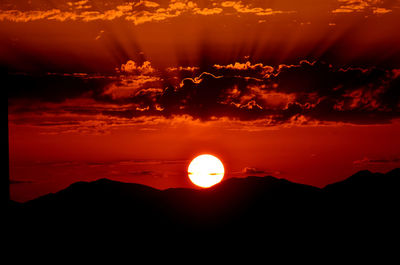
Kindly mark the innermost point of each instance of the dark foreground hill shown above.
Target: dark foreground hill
(365, 204)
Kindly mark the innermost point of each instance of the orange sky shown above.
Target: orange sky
(132, 90)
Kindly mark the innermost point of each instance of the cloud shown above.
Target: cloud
(13, 181)
(255, 171)
(307, 90)
(27, 16)
(79, 4)
(139, 13)
(252, 170)
(175, 8)
(142, 173)
(308, 93)
(247, 68)
(132, 68)
(350, 6)
(85, 13)
(185, 71)
(99, 35)
(207, 11)
(249, 9)
(147, 4)
(381, 10)
(53, 87)
(138, 81)
(133, 86)
(369, 161)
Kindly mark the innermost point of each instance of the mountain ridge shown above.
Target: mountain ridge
(359, 176)
(253, 204)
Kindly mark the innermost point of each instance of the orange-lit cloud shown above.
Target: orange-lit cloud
(183, 68)
(83, 4)
(137, 12)
(249, 9)
(262, 69)
(132, 68)
(133, 86)
(349, 6)
(381, 10)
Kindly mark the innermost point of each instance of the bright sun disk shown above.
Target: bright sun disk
(206, 171)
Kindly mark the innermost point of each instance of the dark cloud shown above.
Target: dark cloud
(12, 181)
(142, 173)
(52, 87)
(302, 93)
(317, 91)
(369, 161)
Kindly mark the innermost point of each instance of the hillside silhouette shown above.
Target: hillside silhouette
(236, 206)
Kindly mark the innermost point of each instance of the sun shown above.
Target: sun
(206, 171)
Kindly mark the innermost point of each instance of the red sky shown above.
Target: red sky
(133, 90)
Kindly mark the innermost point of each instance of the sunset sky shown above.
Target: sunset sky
(305, 90)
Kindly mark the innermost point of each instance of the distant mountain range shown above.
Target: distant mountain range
(266, 205)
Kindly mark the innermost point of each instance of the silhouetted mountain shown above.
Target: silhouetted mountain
(236, 205)
(366, 183)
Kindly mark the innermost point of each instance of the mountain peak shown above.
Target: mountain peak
(394, 172)
(236, 202)
(366, 182)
